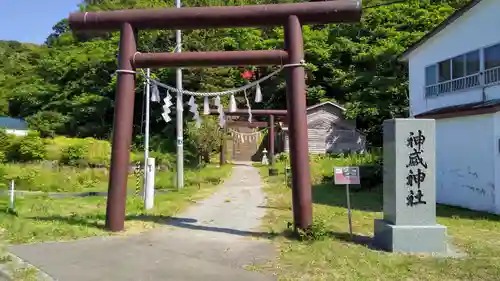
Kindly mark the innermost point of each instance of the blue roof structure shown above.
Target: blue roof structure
(13, 123)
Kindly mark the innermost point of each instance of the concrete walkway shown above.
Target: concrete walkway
(210, 241)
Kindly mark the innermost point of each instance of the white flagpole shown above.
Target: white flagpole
(179, 115)
(146, 131)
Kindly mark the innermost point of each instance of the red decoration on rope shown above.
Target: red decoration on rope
(247, 74)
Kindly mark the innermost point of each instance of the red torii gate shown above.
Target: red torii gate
(291, 16)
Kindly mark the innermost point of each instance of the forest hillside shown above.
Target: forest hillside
(65, 86)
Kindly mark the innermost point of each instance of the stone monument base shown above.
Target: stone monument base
(410, 238)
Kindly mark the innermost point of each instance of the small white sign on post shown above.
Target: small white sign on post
(149, 193)
(347, 176)
(12, 195)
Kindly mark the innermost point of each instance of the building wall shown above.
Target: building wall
(467, 159)
(327, 135)
(345, 140)
(496, 156)
(329, 132)
(317, 140)
(16, 132)
(475, 29)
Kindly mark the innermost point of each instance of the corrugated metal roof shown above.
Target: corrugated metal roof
(325, 103)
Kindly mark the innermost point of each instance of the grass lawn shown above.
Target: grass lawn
(48, 177)
(47, 219)
(17, 271)
(336, 258)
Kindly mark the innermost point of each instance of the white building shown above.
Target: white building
(454, 74)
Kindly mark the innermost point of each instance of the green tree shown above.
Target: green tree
(205, 140)
(47, 123)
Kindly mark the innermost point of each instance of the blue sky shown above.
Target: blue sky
(32, 20)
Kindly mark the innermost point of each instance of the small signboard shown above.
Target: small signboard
(347, 175)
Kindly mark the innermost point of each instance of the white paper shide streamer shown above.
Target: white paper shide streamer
(249, 107)
(166, 107)
(245, 137)
(155, 94)
(258, 94)
(193, 108)
(220, 110)
(232, 104)
(206, 106)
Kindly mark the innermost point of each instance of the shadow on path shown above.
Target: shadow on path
(186, 223)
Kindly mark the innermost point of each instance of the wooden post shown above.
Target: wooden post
(272, 171)
(223, 146)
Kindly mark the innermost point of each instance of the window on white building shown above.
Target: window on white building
(458, 67)
(431, 75)
(472, 63)
(444, 71)
(492, 57)
(458, 73)
(465, 65)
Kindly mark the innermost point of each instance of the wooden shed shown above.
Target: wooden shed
(328, 131)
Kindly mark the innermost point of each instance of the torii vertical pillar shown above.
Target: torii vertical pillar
(122, 130)
(223, 146)
(297, 116)
(272, 171)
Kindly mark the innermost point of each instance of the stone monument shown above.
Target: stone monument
(409, 223)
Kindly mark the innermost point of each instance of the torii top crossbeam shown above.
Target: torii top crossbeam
(220, 17)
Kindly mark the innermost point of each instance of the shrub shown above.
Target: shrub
(136, 157)
(69, 151)
(75, 155)
(74, 151)
(6, 140)
(204, 140)
(98, 152)
(163, 159)
(317, 232)
(48, 123)
(28, 148)
(372, 175)
(282, 157)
